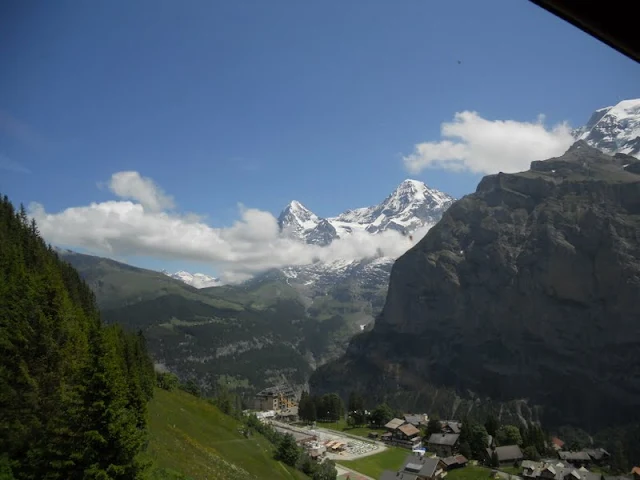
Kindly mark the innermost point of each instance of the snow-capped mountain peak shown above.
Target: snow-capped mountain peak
(296, 219)
(614, 129)
(410, 206)
(197, 280)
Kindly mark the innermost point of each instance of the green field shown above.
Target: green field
(374, 465)
(191, 436)
(341, 426)
(469, 473)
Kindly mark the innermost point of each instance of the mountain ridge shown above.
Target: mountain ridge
(525, 289)
(410, 206)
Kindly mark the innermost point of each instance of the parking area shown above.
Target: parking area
(351, 449)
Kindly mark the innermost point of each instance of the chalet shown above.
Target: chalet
(635, 473)
(557, 444)
(450, 426)
(393, 424)
(551, 471)
(599, 456)
(507, 455)
(443, 444)
(577, 459)
(416, 468)
(276, 398)
(407, 436)
(453, 462)
(402, 434)
(417, 420)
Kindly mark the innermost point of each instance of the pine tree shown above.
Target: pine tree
(72, 393)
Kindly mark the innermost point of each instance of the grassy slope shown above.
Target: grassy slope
(469, 473)
(188, 435)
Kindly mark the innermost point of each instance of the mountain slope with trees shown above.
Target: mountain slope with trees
(73, 393)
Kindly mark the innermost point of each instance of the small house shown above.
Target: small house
(393, 424)
(557, 444)
(507, 455)
(577, 459)
(408, 435)
(453, 462)
(599, 456)
(417, 420)
(443, 444)
(450, 426)
(416, 468)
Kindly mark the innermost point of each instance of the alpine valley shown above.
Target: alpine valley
(281, 324)
(469, 324)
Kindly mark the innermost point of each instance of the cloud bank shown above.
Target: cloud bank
(472, 143)
(142, 221)
(144, 226)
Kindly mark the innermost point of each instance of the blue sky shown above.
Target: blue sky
(263, 102)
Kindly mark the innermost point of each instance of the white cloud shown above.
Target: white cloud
(472, 143)
(131, 185)
(252, 244)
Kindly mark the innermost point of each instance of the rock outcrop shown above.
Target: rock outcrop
(528, 288)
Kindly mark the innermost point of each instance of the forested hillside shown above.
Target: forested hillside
(73, 393)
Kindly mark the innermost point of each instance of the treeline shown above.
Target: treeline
(73, 393)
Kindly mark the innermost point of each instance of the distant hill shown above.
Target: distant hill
(250, 335)
(190, 439)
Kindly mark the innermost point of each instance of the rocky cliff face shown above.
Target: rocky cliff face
(526, 289)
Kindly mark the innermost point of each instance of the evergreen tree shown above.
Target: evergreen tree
(381, 415)
(465, 449)
(433, 426)
(531, 453)
(288, 451)
(73, 393)
(509, 435)
(492, 425)
(325, 471)
(307, 408)
(356, 402)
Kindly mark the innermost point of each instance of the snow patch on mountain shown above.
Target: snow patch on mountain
(410, 206)
(197, 280)
(614, 129)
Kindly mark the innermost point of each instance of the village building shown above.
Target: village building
(635, 472)
(507, 454)
(578, 459)
(289, 414)
(450, 426)
(556, 471)
(557, 444)
(443, 444)
(279, 397)
(599, 456)
(417, 420)
(402, 434)
(453, 462)
(416, 468)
